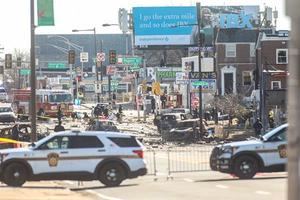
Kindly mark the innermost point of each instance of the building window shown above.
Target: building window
(230, 50)
(252, 49)
(281, 56)
(275, 85)
(246, 77)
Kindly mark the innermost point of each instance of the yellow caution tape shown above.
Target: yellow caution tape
(6, 140)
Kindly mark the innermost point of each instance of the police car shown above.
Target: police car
(109, 157)
(244, 159)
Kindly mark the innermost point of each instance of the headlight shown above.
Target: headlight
(227, 149)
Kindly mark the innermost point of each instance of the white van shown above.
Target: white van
(3, 94)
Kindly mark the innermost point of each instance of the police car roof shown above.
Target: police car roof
(104, 133)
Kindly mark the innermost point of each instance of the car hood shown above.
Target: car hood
(15, 150)
(244, 143)
(7, 113)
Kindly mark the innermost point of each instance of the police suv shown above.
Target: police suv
(109, 157)
(244, 159)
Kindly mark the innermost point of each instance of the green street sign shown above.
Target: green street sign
(132, 60)
(56, 65)
(134, 68)
(24, 72)
(199, 83)
(45, 13)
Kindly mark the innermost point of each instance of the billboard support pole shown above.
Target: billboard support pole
(198, 6)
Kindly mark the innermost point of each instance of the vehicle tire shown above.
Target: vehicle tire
(111, 174)
(15, 175)
(245, 167)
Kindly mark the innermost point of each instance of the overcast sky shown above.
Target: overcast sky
(85, 14)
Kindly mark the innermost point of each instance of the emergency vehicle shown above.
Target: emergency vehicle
(47, 101)
(109, 157)
(244, 159)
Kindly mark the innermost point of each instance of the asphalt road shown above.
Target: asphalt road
(192, 186)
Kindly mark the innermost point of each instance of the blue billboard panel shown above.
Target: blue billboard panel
(164, 25)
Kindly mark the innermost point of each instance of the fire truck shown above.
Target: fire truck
(47, 101)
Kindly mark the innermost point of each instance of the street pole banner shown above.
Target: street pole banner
(45, 12)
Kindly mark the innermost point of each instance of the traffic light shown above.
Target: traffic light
(19, 61)
(112, 57)
(8, 61)
(71, 57)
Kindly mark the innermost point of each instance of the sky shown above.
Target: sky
(87, 14)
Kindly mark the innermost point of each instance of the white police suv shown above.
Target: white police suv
(73, 155)
(244, 159)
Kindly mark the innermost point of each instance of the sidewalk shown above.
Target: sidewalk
(44, 190)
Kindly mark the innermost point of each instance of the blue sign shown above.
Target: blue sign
(164, 25)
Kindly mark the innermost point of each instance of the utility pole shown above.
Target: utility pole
(200, 69)
(292, 7)
(32, 74)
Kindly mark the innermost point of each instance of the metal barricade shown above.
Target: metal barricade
(188, 159)
(150, 157)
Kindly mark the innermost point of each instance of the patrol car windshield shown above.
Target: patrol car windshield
(273, 131)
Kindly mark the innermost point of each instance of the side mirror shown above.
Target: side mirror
(33, 144)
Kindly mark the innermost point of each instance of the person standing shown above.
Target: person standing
(59, 113)
(257, 127)
(153, 104)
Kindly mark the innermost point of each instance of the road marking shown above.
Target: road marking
(102, 195)
(161, 174)
(222, 186)
(262, 192)
(69, 182)
(188, 180)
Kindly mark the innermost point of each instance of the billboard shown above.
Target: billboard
(164, 25)
(154, 26)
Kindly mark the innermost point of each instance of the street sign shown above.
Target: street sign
(199, 83)
(25, 72)
(84, 57)
(101, 57)
(132, 60)
(134, 68)
(56, 65)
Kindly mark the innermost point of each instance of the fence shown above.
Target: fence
(179, 159)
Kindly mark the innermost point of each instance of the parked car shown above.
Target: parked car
(74, 155)
(6, 113)
(244, 159)
(3, 94)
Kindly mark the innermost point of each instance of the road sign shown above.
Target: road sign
(98, 88)
(56, 65)
(84, 57)
(156, 88)
(134, 68)
(101, 57)
(132, 60)
(25, 72)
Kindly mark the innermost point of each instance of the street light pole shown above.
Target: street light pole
(198, 6)
(95, 49)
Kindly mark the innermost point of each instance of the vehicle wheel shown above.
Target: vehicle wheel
(15, 175)
(245, 167)
(111, 174)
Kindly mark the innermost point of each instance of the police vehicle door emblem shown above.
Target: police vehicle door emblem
(282, 151)
(53, 159)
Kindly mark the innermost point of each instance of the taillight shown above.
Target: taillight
(139, 153)
(53, 107)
